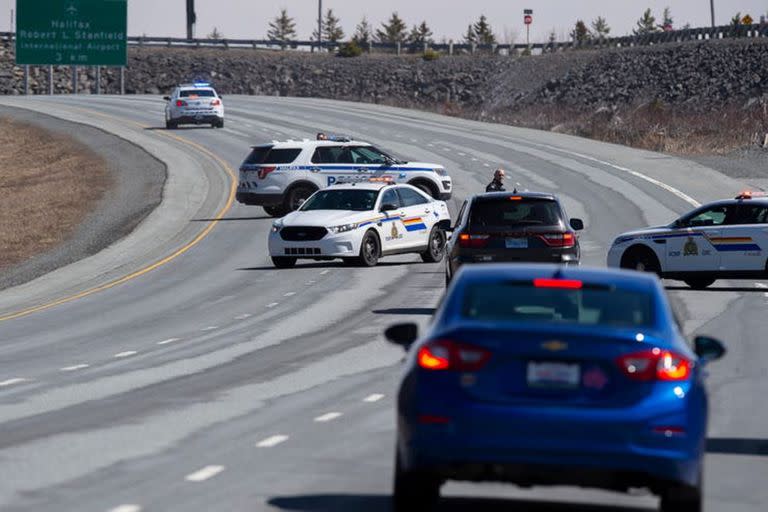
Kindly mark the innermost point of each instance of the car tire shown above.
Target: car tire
(685, 499)
(426, 187)
(284, 261)
(700, 283)
(275, 211)
(370, 250)
(641, 259)
(296, 197)
(413, 491)
(435, 246)
(170, 125)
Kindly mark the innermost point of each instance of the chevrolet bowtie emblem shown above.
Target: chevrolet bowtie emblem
(554, 346)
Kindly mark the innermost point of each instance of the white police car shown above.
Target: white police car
(280, 176)
(359, 223)
(195, 103)
(721, 240)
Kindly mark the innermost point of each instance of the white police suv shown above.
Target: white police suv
(195, 103)
(721, 240)
(282, 175)
(361, 222)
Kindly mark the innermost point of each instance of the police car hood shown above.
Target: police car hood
(326, 218)
(656, 230)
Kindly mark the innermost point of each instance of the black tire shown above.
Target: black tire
(642, 260)
(275, 211)
(435, 246)
(296, 197)
(170, 125)
(412, 491)
(685, 499)
(370, 250)
(426, 187)
(700, 283)
(218, 124)
(349, 262)
(283, 261)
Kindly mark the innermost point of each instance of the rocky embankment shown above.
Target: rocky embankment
(600, 93)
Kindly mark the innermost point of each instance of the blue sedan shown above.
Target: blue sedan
(544, 375)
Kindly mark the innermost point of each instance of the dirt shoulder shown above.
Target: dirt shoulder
(67, 191)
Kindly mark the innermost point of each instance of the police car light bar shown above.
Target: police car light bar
(340, 138)
(748, 194)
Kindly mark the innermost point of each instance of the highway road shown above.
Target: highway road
(215, 382)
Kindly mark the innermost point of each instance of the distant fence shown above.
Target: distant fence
(691, 34)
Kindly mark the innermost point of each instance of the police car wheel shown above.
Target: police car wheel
(283, 261)
(435, 247)
(275, 211)
(425, 187)
(370, 250)
(170, 125)
(700, 283)
(642, 260)
(297, 196)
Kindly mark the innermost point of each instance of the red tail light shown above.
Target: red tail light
(181, 103)
(264, 172)
(450, 355)
(469, 241)
(568, 284)
(655, 364)
(563, 240)
(215, 103)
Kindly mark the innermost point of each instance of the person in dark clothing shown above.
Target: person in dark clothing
(497, 184)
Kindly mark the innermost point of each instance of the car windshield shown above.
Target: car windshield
(503, 212)
(197, 93)
(351, 200)
(590, 305)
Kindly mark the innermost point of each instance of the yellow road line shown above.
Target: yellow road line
(167, 259)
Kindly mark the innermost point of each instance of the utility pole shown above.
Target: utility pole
(712, 10)
(320, 25)
(191, 19)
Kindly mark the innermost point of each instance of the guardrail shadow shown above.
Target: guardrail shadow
(737, 446)
(382, 503)
(718, 289)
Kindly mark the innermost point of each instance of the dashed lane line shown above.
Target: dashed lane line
(325, 418)
(126, 508)
(324, 272)
(272, 305)
(74, 367)
(210, 328)
(127, 353)
(11, 382)
(272, 441)
(289, 294)
(373, 398)
(168, 341)
(243, 316)
(204, 474)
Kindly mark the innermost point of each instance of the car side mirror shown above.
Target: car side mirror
(167, 98)
(577, 224)
(402, 334)
(388, 207)
(708, 349)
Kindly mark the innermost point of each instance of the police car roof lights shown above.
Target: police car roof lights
(748, 194)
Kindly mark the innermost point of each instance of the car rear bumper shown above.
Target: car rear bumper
(569, 257)
(197, 119)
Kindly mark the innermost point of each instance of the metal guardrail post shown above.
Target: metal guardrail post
(122, 80)
(98, 80)
(50, 80)
(398, 49)
(26, 79)
(450, 48)
(74, 79)
(472, 48)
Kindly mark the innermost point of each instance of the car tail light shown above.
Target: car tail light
(181, 103)
(568, 284)
(430, 419)
(655, 364)
(264, 172)
(469, 241)
(215, 103)
(450, 355)
(669, 431)
(563, 240)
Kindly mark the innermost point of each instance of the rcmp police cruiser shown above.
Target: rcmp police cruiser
(280, 176)
(194, 103)
(721, 240)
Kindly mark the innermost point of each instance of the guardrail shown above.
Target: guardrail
(691, 34)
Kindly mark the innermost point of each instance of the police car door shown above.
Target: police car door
(372, 162)
(419, 217)
(690, 247)
(336, 164)
(744, 241)
(391, 229)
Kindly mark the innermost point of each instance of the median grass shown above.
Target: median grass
(48, 185)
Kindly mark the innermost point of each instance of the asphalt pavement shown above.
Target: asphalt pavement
(215, 382)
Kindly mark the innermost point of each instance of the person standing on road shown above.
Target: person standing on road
(322, 136)
(497, 184)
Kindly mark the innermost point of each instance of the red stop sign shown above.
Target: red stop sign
(528, 19)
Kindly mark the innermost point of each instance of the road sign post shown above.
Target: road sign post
(528, 20)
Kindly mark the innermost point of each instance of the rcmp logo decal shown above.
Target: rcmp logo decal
(690, 248)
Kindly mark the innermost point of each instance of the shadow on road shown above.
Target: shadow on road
(329, 264)
(719, 289)
(405, 311)
(735, 446)
(379, 503)
(228, 219)
(180, 128)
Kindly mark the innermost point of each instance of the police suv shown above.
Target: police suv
(361, 222)
(280, 176)
(196, 103)
(721, 240)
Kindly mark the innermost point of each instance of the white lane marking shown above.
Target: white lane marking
(373, 398)
(11, 382)
(462, 154)
(127, 353)
(447, 150)
(210, 328)
(431, 145)
(74, 367)
(272, 441)
(474, 159)
(328, 417)
(414, 140)
(273, 305)
(310, 283)
(204, 474)
(289, 294)
(168, 341)
(487, 165)
(243, 316)
(126, 508)
(325, 271)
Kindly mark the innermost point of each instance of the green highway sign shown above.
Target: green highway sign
(71, 32)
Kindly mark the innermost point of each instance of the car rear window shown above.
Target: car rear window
(590, 305)
(268, 155)
(505, 212)
(199, 93)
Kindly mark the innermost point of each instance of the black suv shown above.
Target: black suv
(513, 227)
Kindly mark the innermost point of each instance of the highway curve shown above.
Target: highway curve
(215, 382)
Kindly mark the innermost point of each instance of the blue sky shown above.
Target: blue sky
(447, 18)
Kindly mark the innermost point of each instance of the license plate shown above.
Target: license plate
(553, 375)
(516, 243)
